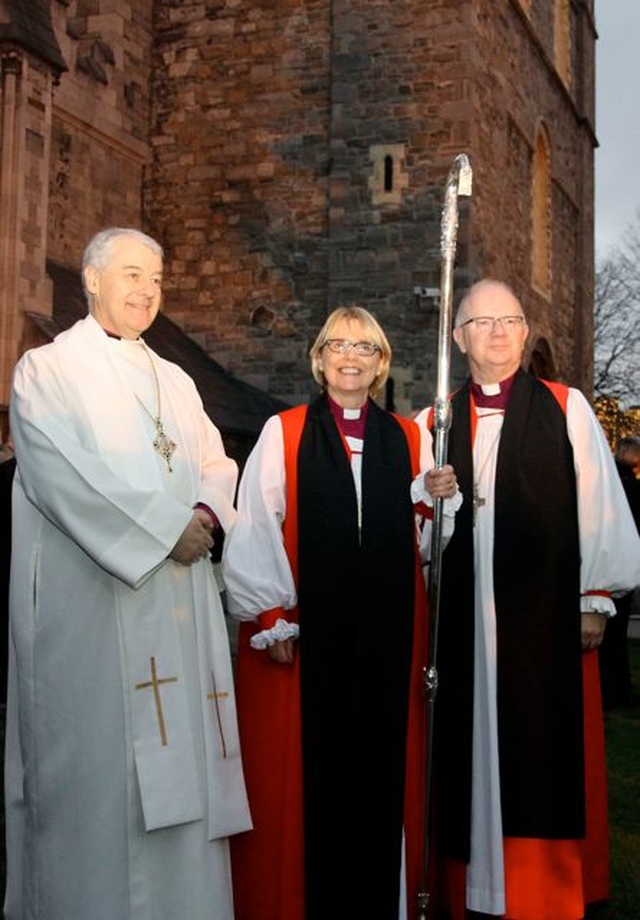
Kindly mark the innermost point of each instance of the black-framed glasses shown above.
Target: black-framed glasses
(487, 323)
(344, 346)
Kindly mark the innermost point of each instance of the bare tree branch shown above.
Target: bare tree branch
(617, 321)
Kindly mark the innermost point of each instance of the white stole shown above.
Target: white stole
(153, 666)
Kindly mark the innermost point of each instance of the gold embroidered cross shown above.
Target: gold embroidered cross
(215, 696)
(155, 683)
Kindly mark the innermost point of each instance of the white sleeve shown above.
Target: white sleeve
(255, 565)
(127, 531)
(423, 500)
(609, 541)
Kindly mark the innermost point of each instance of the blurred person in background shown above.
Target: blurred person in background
(615, 668)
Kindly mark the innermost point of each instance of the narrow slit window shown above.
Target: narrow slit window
(388, 179)
(388, 173)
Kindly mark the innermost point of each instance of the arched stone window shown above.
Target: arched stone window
(541, 362)
(541, 212)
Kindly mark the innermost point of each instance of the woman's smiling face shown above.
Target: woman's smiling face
(349, 376)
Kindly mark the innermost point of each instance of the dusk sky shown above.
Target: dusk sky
(617, 159)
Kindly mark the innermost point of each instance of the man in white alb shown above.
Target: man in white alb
(123, 771)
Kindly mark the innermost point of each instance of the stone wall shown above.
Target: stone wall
(238, 189)
(291, 155)
(272, 130)
(100, 130)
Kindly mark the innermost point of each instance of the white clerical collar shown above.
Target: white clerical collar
(490, 389)
(352, 413)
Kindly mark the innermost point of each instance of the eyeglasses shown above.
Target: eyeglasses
(344, 346)
(487, 323)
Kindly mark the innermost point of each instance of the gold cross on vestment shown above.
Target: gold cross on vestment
(155, 683)
(215, 696)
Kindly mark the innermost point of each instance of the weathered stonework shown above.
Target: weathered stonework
(291, 156)
(298, 220)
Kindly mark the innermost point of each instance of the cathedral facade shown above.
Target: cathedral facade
(291, 156)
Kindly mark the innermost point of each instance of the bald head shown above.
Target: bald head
(491, 330)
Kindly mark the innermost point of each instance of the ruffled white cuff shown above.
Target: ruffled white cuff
(420, 494)
(278, 633)
(596, 603)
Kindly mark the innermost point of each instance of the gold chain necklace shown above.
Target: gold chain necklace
(162, 443)
(478, 500)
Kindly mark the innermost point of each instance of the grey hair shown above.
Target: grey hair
(98, 250)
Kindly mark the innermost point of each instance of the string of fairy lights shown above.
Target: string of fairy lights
(616, 422)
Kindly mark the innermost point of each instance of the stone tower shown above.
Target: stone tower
(300, 155)
(291, 155)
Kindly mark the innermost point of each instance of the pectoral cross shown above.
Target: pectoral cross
(155, 684)
(163, 444)
(478, 502)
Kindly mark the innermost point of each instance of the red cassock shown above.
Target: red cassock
(573, 872)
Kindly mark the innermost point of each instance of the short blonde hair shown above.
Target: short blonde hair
(374, 334)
